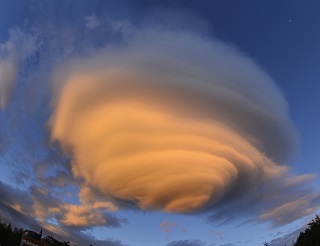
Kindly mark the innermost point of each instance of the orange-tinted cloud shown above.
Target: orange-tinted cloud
(172, 123)
(167, 225)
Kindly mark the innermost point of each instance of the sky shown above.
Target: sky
(163, 123)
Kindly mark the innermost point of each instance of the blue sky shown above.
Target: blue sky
(83, 85)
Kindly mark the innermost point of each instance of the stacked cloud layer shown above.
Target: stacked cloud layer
(171, 122)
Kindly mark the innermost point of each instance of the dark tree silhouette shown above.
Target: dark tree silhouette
(9, 236)
(311, 235)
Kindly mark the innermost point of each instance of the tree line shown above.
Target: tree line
(11, 236)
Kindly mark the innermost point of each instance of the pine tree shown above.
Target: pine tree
(311, 236)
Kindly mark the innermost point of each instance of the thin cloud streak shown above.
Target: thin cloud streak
(186, 243)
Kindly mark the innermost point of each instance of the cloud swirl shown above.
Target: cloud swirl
(171, 122)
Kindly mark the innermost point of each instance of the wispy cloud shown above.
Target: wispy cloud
(91, 22)
(287, 239)
(37, 208)
(166, 225)
(19, 46)
(186, 243)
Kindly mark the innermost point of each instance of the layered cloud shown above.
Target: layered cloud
(173, 122)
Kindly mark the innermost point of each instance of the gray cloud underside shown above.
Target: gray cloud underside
(186, 243)
(17, 207)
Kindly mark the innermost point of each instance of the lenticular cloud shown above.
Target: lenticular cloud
(171, 122)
